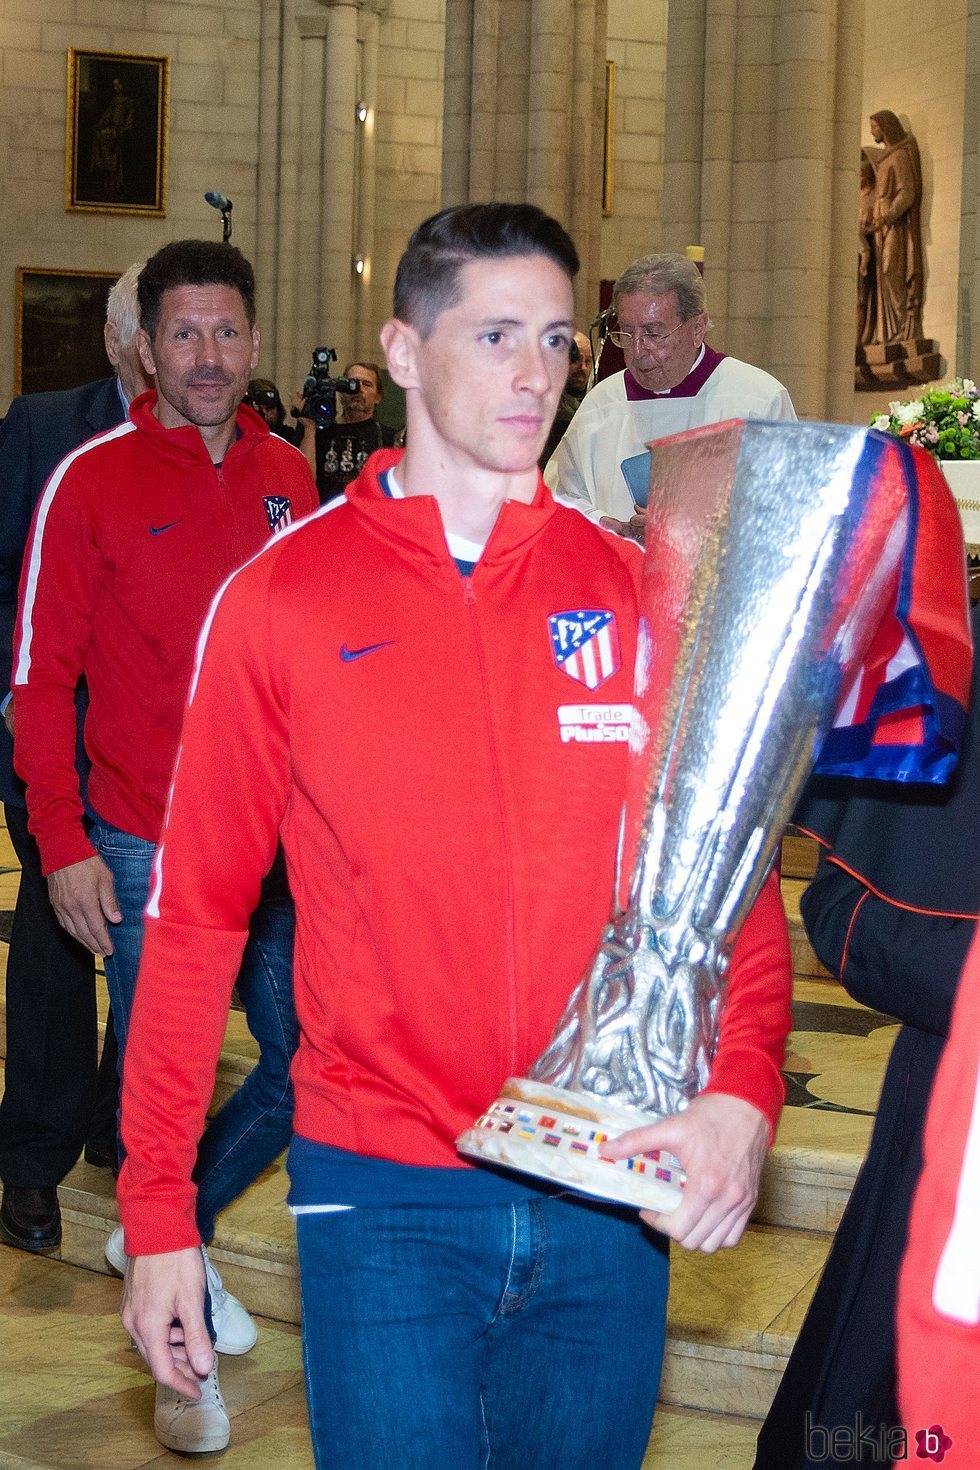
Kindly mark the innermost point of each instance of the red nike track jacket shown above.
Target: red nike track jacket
(133, 535)
(450, 844)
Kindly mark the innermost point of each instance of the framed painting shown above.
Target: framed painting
(60, 316)
(116, 139)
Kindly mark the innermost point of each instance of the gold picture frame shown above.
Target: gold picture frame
(609, 140)
(116, 133)
(60, 316)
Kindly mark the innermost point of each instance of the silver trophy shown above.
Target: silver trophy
(772, 552)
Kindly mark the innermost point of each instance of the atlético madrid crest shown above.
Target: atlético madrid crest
(278, 512)
(585, 644)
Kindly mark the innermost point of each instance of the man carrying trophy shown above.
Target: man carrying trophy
(442, 746)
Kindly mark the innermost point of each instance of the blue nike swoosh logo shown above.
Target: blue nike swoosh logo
(159, 530)
(350, 654)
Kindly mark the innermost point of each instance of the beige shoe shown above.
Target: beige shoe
(188, 1427)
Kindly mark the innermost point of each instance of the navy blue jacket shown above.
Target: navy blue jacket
(39, 430)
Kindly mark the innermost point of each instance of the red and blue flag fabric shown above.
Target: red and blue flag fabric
(902, 717)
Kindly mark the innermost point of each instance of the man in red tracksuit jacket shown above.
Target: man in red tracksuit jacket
(133, 535)
(381, 687)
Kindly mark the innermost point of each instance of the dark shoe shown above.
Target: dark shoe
(30, 1218)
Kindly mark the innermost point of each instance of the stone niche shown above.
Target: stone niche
(923, 82)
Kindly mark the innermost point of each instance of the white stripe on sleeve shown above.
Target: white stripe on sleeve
(23, 665)
(956, 1289)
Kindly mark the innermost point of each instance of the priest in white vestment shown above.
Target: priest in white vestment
(673, 381)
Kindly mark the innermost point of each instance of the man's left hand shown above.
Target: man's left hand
(721, 1141)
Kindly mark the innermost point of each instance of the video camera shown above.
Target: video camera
(319, 389)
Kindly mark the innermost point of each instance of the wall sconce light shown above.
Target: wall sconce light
(361, 112)
(358, 264)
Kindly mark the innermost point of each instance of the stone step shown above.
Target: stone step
(732, 1320)
(734, 1316)
(797, 863)
(798, 856)
(811, 1169)
(690, 1439)
(805, 963)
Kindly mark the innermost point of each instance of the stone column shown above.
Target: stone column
(549, 115)
(364, 233)
(336, 306)
(523, 113)
(683, 139)
(770, 189)
(457, 103)
(278, 194)
(316, 194)
(484, 88)
(587, 136)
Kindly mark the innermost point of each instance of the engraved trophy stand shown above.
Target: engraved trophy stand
(773, 551)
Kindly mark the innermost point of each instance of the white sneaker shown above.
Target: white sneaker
(188, 1427)
(235, 1332)
(114, 1252)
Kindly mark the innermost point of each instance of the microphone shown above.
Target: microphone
(602, 322)
(218, 201)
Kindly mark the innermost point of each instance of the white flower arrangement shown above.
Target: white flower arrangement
(945, 420)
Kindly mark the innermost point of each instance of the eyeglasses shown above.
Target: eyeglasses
(644, 337)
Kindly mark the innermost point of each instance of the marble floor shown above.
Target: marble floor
(73, 1394)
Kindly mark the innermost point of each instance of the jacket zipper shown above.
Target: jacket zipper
(469, 600)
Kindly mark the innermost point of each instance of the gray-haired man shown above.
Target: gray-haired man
(56, 1098)
(673, 381)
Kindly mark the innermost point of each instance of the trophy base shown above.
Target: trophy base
(557, 1135)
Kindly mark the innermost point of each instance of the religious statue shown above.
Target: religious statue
(898, 234)
(891, 349)
(867, 313)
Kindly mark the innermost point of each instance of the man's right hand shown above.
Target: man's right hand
(632, 530)
(83, 896)
(163, 1312)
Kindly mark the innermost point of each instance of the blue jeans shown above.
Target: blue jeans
(255, 1124)
(517, 1337)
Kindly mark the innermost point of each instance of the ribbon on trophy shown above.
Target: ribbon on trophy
(803, 604)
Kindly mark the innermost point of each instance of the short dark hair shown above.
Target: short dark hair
(193, 263)
(427, 280)
(372, 367)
